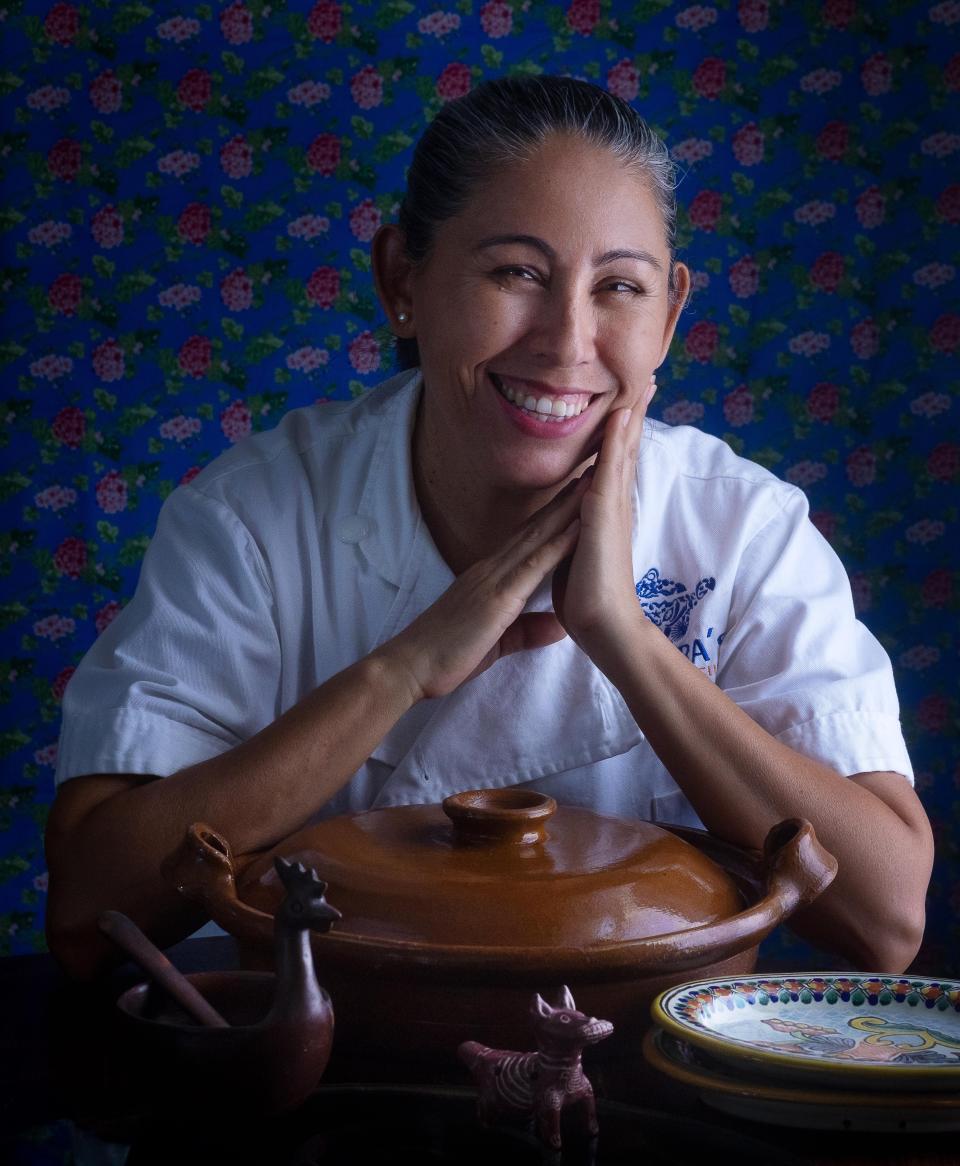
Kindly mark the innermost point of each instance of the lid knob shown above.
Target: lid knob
(513, 816)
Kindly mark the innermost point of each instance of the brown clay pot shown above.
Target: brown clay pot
(454, 914)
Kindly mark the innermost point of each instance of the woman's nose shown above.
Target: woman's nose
(566, 329)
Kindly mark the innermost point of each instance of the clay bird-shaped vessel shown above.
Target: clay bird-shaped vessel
(276, 1043)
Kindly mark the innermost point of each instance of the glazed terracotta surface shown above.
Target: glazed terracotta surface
(452, 914)
(569, 878)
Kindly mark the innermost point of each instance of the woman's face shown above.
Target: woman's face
(540, 308)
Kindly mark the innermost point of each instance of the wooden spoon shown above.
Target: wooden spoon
(127, 935)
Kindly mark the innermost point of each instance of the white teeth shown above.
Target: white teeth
(546, 408)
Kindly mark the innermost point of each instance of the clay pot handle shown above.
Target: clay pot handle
(799, 867)
(202, 868)
(489, 817)
(796, 869)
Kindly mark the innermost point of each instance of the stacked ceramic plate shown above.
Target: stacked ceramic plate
(825, 1050)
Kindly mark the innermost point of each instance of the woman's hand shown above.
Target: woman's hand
(593, 590)
(480, 617)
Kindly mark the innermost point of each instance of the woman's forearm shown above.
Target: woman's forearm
(741, 781)
(108, 835)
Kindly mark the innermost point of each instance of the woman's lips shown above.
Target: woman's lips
(539, 424)
(539, 402)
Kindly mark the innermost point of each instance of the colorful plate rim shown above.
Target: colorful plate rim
(808, 987)
(661, 1050)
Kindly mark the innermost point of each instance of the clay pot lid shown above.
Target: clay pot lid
(502, 868)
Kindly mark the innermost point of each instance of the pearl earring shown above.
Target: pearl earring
(402, 317)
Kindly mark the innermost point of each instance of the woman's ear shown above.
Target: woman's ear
(678, 298)
(393, 274)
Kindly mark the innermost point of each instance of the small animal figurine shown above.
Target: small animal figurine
(537, 1086)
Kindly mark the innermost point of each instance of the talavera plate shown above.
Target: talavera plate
(801, 1105)
(831, 1028)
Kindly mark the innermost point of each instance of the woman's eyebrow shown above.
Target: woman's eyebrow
(621, 253)
(525, 240)
(544, 247)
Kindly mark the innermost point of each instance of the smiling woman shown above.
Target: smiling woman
(494, 571)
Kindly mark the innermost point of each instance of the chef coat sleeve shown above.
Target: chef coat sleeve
(191, 666)
(795, 657)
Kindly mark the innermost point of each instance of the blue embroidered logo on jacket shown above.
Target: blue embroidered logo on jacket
(668, 603)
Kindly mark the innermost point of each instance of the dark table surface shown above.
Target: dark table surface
(66, 1098)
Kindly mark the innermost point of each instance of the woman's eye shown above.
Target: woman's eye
(516, 273)
(622, 287)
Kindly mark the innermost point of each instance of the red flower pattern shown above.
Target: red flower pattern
(195, 90)
(823, 401)
(107, 227)
(59, 684)
(236, 24)
(106, 92)
(193, 225)
(738, 406)
(323, 287)
(945, 333)
(705, 210)
(108, 361)
(623, 80)
(827, 271)
(64, 159)
(365, 220)
(709, 78)
(838, 13)
(69, 426)
(70, 557)
(754, 15)
(948, 204)
(583, 15)
(65, 293)
(112, 493)
(876, 75)
(749, 144)
(364, 353)
(865, 338)
(325, 21)
(61, 24)
(106, 615)
(496, 19)
(943, 462)
(871, 208)
(323, 154)
(236, 157)
(833, 141)
(236, 422)
(861, 466)
(937, 588)
(366, 87)
(454, 81)
(702, 340)
(236, 290)
(195, 356)
(745, 277)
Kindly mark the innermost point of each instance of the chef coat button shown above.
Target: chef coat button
(355, 528)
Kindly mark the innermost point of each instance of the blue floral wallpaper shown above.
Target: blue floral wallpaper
(189, 192)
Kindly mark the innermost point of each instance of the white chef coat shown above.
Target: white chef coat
(300, 550)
